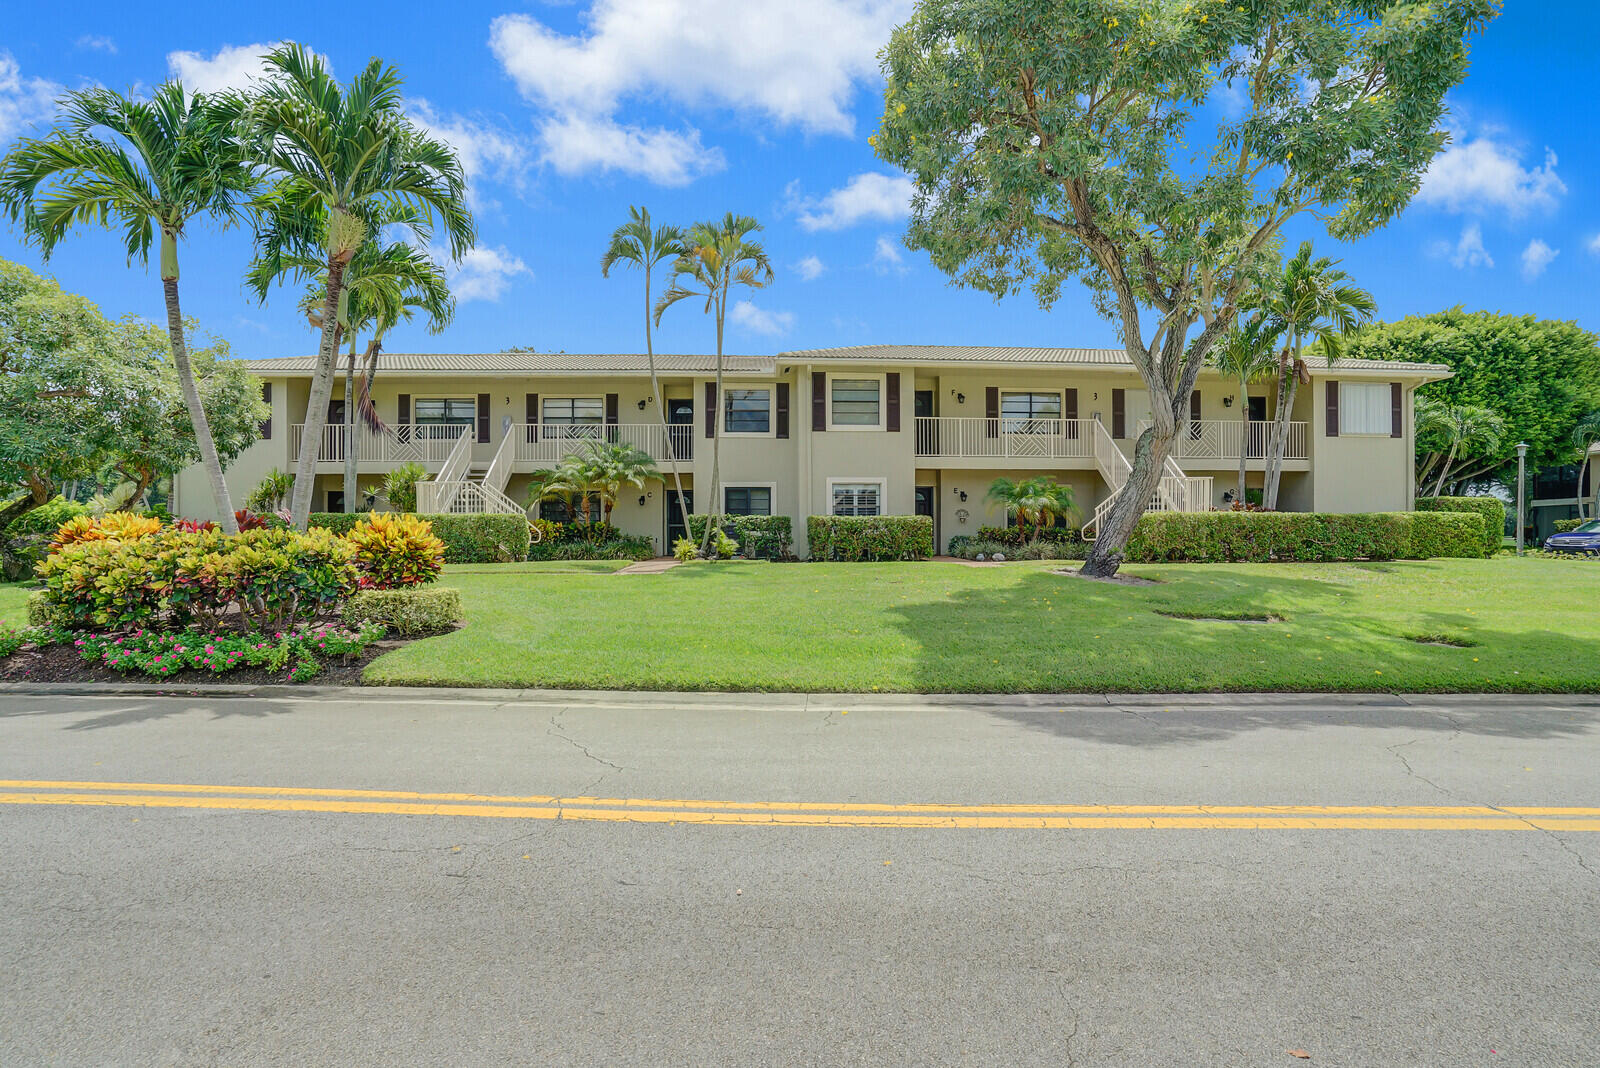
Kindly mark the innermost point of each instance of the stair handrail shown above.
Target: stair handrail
(499, 472)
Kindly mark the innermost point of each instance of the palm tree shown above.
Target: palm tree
(636, 244)
(152, 166)
(611, 468)
(338, 152)
(570, 482)
(1246, 355)
(1452, 430)
(1584, 436)
(716, 257)
(1311, 300)
(385, 285)
(1039, 500)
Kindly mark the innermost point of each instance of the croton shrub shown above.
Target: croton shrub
(394, 549)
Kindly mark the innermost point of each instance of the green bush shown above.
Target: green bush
(472, 538)
(409, 612)
(620, 547)
(1492, 509)
(854, 538)
(46, 518)
(395, 550)
(1564, 525)
(43, 612)
(968, 546)
(1210, 537)
(760, 537)
(1016, 535)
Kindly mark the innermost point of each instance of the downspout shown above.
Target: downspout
(803, 496)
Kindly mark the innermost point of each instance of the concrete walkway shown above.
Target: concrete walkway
(650, 567)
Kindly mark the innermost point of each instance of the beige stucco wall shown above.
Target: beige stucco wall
(1360, 472)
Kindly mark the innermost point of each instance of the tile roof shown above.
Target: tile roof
(500, 363)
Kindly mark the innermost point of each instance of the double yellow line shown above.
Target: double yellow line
(802, 813)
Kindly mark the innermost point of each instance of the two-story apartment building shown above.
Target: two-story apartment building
(883, 429)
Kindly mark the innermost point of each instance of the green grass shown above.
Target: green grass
(1528, 624)
(14, 603)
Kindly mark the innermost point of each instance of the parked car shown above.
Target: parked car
(1585, 539)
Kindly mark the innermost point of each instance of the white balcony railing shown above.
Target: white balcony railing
(1219, 439)
(548, 443)
(963, 437)
(424, 443)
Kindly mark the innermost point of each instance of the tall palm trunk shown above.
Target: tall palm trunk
(661, 410)
(191, 391)
(1449, 461)
(305, 468)
(1244, 436)
(714, 511)
(350, 428)
(1288, 384)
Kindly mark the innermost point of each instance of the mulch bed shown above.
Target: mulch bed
(62, 663)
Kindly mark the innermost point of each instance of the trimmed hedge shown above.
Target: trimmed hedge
(854, 538)
(622, 547)
(760, 537)
(1492, 509)
(1564, 525)
(1211, 537)
(1017, 536)
(476, 538)
(408, 611)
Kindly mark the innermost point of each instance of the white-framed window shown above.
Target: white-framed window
(855, 402)
(747, 410)
(572, 411)
(852, 496)
(445, 411)
(1024, 412)
(1364, 408)
(752, 499)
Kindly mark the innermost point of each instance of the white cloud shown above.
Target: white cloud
(1536, 257)
(486, 152)
(484, 273)
(886, 254)
(576, 144)
(232, 67)
(24, 102)
(1468, 251)
(1482, 174)
(869, 196)
(793, 64)
(809, 269)
(1594, 245)
(759, 320)
(96, 42)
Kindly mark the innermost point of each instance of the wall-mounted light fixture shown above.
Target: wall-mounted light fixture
(961, 398)
(642, 404)
(1227, 402)
(641, 500)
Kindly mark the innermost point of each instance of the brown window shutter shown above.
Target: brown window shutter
(405, 409)
(266, 424)
(531, 410)
(1397, 416)
(483, 417)
(819, 401)
(891, 405)
(1069, 412)
(1194, 405)
(613, 415)
(991, 411)
(711, 409)
(783, 409)
(1119, 413)
(1331, 424)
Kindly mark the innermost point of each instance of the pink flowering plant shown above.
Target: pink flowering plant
(299, 652)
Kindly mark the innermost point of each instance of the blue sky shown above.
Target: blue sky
(566, 113)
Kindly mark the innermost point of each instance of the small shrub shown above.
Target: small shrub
(620, 547)
(548, 529)
(761, 537)
(406, 612)
(45, 519)
(685, 550)
(879, 537)
(42, 612)
(271, 493)
(1562, 526)
(983, 547)
(1015, 536)
(113, 526)
(473, 538)
(194, 526)
(248, 520)
(396, 550)
(1491, 509)
(400, 486)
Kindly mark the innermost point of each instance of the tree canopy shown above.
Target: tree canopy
(1540, 375)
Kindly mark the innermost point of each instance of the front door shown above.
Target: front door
(925, 507)
(676, 528)
(680, 424)
(927, 433)
(1256, 447)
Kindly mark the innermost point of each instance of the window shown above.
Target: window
(446, 411)
(747, 411)
(856, 498)
(747, 500)
(1018, 411)
(855, 401)
(572, 411)
(561, 511)
(1364, 408)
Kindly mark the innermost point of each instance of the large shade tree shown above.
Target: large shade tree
(1051, 142)
(717, 256)
(149, 167)
(339, 152)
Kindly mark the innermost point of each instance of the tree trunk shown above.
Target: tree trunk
(661, 409)
(16, 508)
(1449, 460)
(1244, 436)
(1150, 454)
(1288, 383)
(350, 429)
(305, 468)
(714, 511)
(191, 391)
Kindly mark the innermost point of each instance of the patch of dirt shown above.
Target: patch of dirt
(1255, 617)
(1119, 578)
(61, 663)
(1442, 639)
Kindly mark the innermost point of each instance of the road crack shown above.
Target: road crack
(612, 768)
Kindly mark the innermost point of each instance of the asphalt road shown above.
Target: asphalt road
(344, 919)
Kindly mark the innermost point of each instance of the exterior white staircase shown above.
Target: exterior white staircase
(461, 488)
(1176, 492)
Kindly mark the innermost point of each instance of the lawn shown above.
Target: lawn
(1520, 624)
